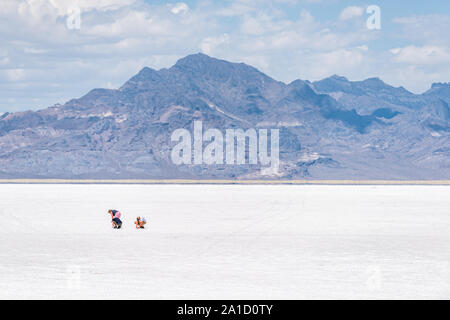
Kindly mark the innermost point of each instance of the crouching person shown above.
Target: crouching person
(115, 219)
(140, 223)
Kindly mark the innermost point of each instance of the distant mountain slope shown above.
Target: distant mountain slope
(373, 96)
(329, 129)
(439, 91)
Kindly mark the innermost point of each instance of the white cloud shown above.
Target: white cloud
(4, 61)
(341, 61)
(15, 74)
(421, 55)
(351, 12)
(209, 44)
(425, 28)
(86, 5)
(363, 47)
(252, 26)
(45, 9)
(262, 23)
(180, 7)
(133, 23)
(34, 50)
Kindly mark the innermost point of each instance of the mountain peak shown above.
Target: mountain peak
(145, 75)
(196, 59)
(439, 85)
(374, 80)
(146, 72)
(203, 66)
(338, 78)
(440, 89)
(334, 83)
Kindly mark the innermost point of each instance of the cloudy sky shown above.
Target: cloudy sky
(50, 54)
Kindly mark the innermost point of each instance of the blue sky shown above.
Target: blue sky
(46, 59)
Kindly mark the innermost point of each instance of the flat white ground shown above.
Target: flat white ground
(225, 242)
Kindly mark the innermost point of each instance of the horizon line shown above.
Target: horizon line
(227, 181)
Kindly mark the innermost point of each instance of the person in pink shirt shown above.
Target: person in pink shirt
(115, 216)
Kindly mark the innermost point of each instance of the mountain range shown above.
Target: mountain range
(329, 129)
